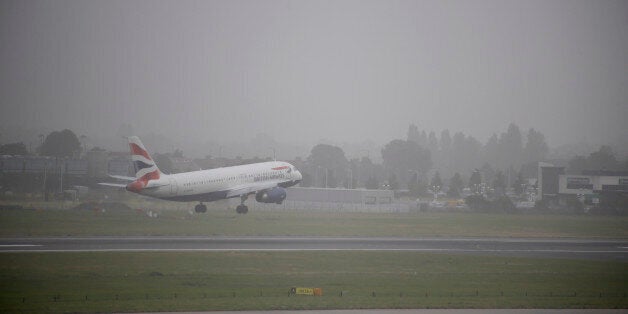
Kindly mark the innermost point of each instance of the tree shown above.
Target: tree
(455, 185)
(351, 178)
(577, 164)
(499, 182)
(519, 184)
(604, 158)
(331, 181)
(13, 149)
(510, 147)
(475, 180)
(393, 183)
(306, 180)
(536, 149)
(401, 157)
(472, 150)
(177, 153)
(436, 180)
(365, 170)
(330, 159)
(459, 151)
(413, 133)
(372, 183)
(444, 158)
(164, 163)
(491, 150)
(61, 144)
(432, 143)
(445, 141)
(423, 139)
(413, 184)
(488, 174)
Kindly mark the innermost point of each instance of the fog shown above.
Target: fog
(302, 72)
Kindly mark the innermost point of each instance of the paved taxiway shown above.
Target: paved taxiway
(549, 248)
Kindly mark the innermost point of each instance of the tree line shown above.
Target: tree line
(422, 161)
(63, 143)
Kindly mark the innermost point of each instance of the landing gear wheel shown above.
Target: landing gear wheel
(242, 209)
(200, 208)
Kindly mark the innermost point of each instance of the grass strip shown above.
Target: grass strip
(15, 223)
(198, 281)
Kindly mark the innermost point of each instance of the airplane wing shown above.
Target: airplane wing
(250, 188)
(120, 185)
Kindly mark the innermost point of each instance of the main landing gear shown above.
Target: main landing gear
(200, 208)
(242, 209)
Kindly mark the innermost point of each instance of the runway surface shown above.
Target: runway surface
(424, 311)
(523, 247)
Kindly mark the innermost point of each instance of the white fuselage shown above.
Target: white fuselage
(213, 184)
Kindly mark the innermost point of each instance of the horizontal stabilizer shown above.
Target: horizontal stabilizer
(152, 185)
(117, 185)
(122, 177)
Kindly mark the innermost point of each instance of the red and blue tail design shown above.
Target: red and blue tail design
(145, 167)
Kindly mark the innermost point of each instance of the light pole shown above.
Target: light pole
(319, 169)
(350, 185)
(44, 187)
(416, 182)
(435, 189)
(41, 142)
(84, 142)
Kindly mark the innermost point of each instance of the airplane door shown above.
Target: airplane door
(173, 187)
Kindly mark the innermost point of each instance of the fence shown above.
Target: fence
(328, 293)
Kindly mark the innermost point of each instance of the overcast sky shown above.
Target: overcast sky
(301, 71)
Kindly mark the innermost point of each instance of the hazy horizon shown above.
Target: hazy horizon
(344, 71)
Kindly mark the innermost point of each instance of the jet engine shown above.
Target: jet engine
(274, 195)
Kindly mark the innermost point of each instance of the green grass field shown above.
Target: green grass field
(294, 223)
(128, 282)
(105, 282)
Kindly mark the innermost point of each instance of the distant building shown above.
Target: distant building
(591, 184)
(97, 163)
(364, 197)
(547, 181)
(590, 187)
(340, 200)
(119, 163)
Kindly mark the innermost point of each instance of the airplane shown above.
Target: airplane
(267, 180)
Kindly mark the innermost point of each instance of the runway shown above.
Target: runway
(521, 247)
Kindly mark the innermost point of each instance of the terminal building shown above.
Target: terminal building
(593, 181)
(590, 186)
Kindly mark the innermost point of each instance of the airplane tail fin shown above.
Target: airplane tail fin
(145, 167)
